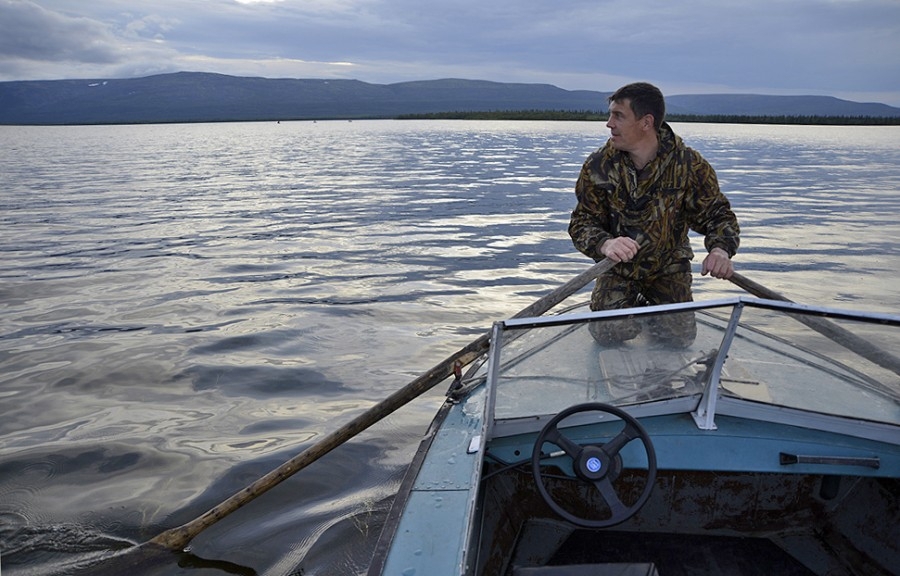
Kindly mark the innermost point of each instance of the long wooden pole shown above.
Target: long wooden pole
(837, 333)
(178, 538)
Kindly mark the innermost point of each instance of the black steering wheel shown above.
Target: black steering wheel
(599, 465)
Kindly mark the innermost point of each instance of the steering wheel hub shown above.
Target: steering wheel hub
(594, 464)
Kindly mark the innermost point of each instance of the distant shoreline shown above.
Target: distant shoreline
(517, 115)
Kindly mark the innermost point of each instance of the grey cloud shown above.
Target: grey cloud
(28, 31)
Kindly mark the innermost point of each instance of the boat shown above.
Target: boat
(768, 446)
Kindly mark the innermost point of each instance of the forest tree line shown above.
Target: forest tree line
(591, 116)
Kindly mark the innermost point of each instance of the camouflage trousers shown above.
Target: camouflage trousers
(613, 292)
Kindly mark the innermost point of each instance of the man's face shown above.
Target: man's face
(625, 129)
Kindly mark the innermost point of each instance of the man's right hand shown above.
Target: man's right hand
(620, 249)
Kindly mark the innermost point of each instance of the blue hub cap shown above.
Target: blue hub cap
(593, 464)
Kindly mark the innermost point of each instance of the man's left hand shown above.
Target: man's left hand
(718, 264)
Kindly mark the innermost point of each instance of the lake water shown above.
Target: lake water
(185, 307)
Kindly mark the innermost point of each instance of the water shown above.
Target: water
(185, 307)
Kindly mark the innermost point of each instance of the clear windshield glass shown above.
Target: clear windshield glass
(780, 357)
(831, 366)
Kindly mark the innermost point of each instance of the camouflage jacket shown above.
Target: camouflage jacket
(678, 191)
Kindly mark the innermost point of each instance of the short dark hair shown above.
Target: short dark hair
(645, 99)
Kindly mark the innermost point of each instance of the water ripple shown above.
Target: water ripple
(186, 306)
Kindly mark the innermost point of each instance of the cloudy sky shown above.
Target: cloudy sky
(844, 48)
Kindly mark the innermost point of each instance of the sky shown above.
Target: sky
(844, 48)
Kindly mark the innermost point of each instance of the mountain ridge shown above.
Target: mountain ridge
(211, 97)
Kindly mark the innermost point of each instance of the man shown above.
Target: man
(638, 196)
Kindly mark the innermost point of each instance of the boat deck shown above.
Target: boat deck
(679, 554)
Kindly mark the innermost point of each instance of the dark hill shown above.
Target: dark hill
(203, 97)
(757, 105)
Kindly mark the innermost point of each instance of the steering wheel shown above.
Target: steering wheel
(599, 465)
